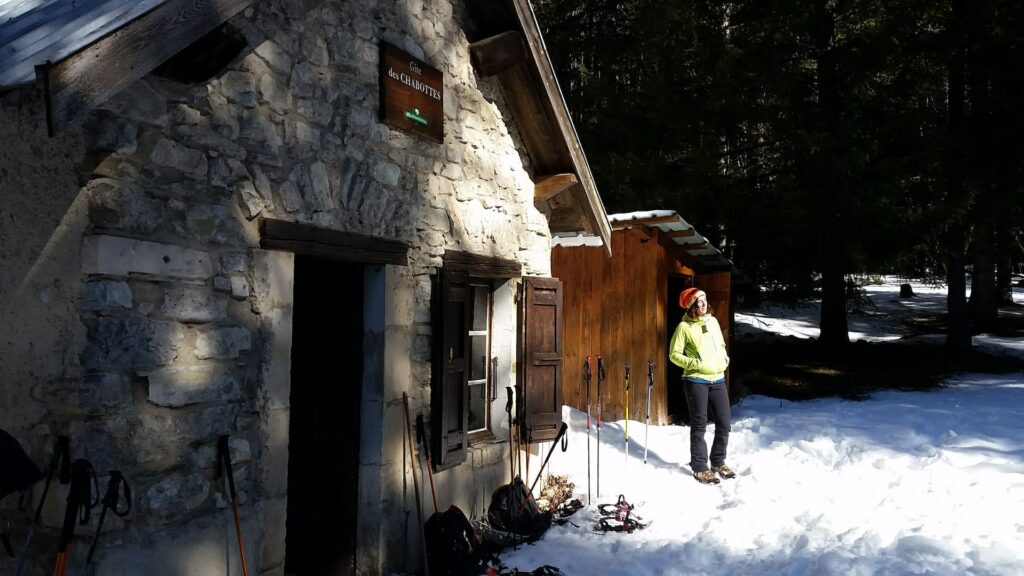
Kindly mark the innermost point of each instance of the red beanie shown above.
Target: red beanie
(689, 296)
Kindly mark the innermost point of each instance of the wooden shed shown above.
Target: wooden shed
(624, 308)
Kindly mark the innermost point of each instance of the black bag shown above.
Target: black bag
(450, 542)
(17, 471)
(513, 510)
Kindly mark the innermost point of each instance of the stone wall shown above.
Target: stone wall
(138, 315)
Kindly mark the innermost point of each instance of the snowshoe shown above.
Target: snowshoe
(618, 517)
(566, 510)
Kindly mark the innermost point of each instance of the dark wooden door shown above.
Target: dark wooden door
(323, 448)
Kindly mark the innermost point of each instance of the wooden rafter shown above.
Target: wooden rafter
(497, 53)
(547, 187)
(652, 221)
(90, 76)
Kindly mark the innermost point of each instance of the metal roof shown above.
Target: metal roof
(695, 245)
(35, 31)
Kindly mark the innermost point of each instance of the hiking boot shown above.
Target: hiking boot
(724, 471)
(705, 477)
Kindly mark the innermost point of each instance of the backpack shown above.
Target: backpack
(514, 510)
(17, 471)
(450, 542)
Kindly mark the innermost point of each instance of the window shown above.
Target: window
(463, 390)
(480, 391)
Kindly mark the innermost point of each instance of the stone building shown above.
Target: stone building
(210, 225)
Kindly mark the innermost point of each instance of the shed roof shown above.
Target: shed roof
(33, 32)
(667, 221)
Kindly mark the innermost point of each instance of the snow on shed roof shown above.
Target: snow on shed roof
(35, 31)
(668, 221)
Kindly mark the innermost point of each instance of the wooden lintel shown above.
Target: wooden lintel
(90, 76)
(331, 244)
(497, 53)
(546, 187)
(681, 233)
(482, 266)
(696, 246)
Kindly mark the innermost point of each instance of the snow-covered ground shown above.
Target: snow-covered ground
(884, 318)
(902, 483)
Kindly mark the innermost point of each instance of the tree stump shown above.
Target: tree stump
(906, 291)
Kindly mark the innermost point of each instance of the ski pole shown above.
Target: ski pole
(421, 433)
(586, 377)
(415, 483)
(529, 496)
(79, 503)
(61, 460)
(115, 487)
(601, 375)
(224, 467)
(627, 413)
(647, 418)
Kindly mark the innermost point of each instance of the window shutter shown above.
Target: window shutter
(450, 386)
(540, 343)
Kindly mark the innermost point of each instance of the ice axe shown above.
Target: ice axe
(79, 504)
(60, 461)
(116, 486)
(224, 465)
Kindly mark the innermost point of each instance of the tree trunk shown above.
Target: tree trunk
(958, 335)
(984, 305)
(831, 189)
(1004, 263)
(834, 329)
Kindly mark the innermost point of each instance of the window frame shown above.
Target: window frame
(460, 272)
(486, 433)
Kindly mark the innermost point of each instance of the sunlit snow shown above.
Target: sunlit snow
(902, 483)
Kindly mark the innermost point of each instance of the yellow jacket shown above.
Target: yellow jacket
(698, 347)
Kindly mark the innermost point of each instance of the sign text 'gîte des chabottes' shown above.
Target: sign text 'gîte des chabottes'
(411, 94)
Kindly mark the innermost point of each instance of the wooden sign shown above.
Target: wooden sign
(411, 94)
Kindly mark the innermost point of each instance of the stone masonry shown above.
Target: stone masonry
(158, 322)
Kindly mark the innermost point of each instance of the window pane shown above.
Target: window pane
(477, 407)
(480, 307)
(478, 359)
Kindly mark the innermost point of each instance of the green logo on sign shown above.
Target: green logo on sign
(415, 116)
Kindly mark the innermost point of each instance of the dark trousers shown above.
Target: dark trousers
(700, 397)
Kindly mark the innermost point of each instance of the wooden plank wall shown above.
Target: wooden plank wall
(716, 285)
(615, 307)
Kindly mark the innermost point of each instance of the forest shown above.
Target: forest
(813, 141)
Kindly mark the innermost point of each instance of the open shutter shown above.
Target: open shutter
(540, 343)
(449, 389)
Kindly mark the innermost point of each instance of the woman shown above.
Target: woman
(699, 349)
